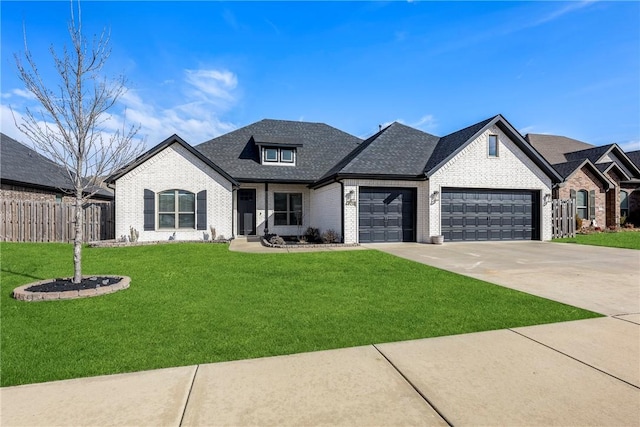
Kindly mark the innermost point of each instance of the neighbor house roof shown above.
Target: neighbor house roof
(554, 148)
(319, 147)
(634, 156)
(23, 166)
(567, 169)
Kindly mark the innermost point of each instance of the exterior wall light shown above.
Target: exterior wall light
(547, 199)
(435, 197)
(351, 198)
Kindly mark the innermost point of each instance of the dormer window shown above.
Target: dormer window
(278, 155)
(270, 154)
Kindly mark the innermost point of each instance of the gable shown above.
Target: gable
(451, 145)
(318, 148)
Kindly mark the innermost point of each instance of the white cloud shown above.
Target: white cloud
(216, 83)
(630, 145)
(205, 95)
(572, 6)
(427, 123)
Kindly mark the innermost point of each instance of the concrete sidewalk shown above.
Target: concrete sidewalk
(584, 372)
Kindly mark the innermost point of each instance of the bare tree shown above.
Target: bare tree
(71, 125)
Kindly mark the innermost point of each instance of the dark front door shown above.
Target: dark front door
(247, 212)
(387, 215)
(473, 214)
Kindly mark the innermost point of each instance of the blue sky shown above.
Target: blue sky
(201, 69)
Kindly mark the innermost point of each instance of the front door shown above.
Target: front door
(247, 212)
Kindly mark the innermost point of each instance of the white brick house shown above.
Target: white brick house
(484, 182)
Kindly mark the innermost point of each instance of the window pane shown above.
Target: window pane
(581, 199)
(187, 221)
(166, 201)
(296, 218)
(296, 201)
(271, 154)
(493, 145)
(186, 201)
(167, 221)
(624, 200)
(286, 155)
(280, 201)
(280, 218)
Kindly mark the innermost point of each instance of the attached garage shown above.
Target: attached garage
(387, 215)
(473, 214)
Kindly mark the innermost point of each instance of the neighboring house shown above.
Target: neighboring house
(484, 182)
(27, 175)
(603, 180)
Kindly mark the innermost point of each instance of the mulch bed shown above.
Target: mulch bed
(61, 285)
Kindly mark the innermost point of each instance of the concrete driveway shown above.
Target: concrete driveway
(604, 280)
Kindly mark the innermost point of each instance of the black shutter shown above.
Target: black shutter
(149, 210)
(201, 217)
(592, 204)
(572, 194)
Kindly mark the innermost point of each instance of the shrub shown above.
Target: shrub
(274, 239)
(330, 236)
(312, 235)
(578, 222)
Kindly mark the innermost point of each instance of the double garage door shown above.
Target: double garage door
(470, 214)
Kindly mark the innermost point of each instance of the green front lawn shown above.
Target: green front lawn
(621, 239)
(198, 303)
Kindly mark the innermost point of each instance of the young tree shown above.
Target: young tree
(71, 125)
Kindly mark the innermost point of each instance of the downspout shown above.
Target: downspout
(341, 209)
(234, 192)
(266, 208)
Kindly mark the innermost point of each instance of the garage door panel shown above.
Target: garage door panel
(489, 214)
(388, 214)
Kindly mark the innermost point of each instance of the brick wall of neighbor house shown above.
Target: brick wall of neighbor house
(613, 208)
(584, 179)
(172, 168)
(17, 192)
(473, 168)
(351, 211)
(285, 230)
(326, 212)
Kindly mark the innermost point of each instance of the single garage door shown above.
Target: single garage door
(387, 215)
(470, 214)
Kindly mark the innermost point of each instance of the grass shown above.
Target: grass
(626, 239)
(195, 303)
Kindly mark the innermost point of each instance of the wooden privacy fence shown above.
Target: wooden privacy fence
(35, 221)
(563, 218)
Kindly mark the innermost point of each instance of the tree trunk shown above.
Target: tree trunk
(77, 241)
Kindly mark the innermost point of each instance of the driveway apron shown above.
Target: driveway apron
(600, 279)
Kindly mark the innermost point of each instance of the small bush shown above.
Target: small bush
(312, 235)
(274, 239)
(578, 222)
(330, 236)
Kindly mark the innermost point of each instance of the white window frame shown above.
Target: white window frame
(290, 213)
(497, 145)
(176, 210)
(279, 158)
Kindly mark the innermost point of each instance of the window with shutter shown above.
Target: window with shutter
(149, 210)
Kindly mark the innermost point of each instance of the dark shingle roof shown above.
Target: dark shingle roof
(397, 150)
(634, 156)
(451, 143)
(554, 148)
(319, 148)
(592, 154)
(21, 165)
(566, 169)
